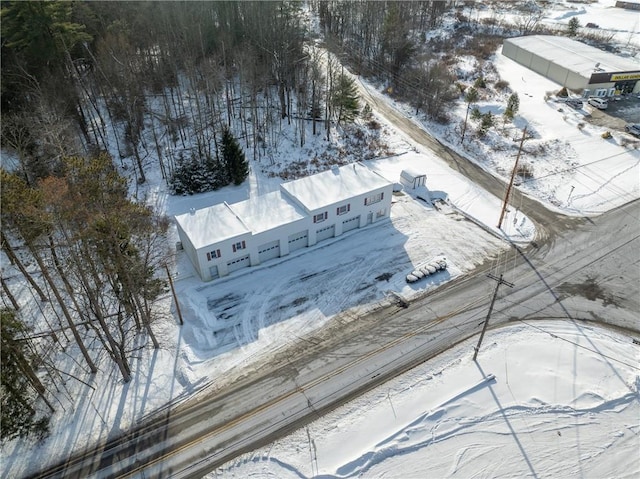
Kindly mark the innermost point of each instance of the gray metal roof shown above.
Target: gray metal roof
(574, 55)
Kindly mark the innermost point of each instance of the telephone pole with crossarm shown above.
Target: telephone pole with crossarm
(493, 300)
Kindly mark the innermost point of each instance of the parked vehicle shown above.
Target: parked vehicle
(599, 103)
(575, 103)
(633, 128)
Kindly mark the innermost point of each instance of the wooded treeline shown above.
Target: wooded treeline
(90, 89)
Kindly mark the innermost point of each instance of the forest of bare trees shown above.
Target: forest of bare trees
(94, 90)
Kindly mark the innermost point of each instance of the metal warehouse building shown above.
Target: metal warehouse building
(575, 65)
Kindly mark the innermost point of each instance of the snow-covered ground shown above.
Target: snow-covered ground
(585, 405)
(544, 399)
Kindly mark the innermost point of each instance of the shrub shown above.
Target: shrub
(480, 83)
(606, 135)
(502, 85)
(525, 171)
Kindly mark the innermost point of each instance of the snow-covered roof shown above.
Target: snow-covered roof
(411, 174)
(332, 186)
(210, 225)
(261, 213)
(574, 55)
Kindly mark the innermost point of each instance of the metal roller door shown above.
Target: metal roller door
(298, 241)
(269, 251)
(239, 264)
(350, 224)
(326, 233)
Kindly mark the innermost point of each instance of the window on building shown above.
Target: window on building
(239, 246)
(344, 209)
(373, 199)
(213, 254)
(381, 213)
(320, 217)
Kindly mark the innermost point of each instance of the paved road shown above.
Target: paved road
(581, 270)
(588, 274)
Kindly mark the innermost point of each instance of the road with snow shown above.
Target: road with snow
(579, 274)
(576, 270)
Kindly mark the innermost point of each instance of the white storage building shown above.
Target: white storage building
(575, 65)
(223, 238)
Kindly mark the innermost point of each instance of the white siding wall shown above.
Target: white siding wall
(189, 249)
(357, 208)
(226, 255)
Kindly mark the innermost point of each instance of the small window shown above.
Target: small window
(374, 199)
(344, 209)
(213, 254)
(320, 217)
(380, 213)
(239, 246)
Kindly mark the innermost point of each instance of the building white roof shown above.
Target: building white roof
(210, 225)
(574, 55)
(411, 174)
(335, 185)
(265, 212)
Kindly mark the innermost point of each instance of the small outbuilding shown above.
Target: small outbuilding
(575, 65)
(413, 179)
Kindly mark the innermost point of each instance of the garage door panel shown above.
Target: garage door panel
(325, 233)
(298, 241)
(239, 263)
(269, 251)
(350, 224)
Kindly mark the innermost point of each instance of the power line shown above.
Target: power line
(579, 345)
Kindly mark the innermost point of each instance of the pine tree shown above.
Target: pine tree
(18, 414)
(345, 100)
(486, 122)
(236, 164)
(572, 26)
(470, 97)
(513, 105)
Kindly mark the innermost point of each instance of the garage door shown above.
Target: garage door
(350, 224)
(269, 251)
(298, 241)
(238, 264)
(213, 272)
(325, 233)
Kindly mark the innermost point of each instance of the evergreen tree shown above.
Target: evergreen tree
(345, 100)
(572, 26)
(18, 414)
(513, 105)
(470, 97)
(480, 82)
(486, 122)
(236, 164)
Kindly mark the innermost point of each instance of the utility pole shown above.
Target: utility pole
(175, 297)
(493, 300)
(513, 176)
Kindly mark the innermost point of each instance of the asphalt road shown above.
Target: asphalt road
(581, 270)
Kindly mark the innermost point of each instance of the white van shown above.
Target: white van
(599, 103)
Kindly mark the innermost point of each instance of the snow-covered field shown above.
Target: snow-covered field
(443, 419)
(544, 399)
